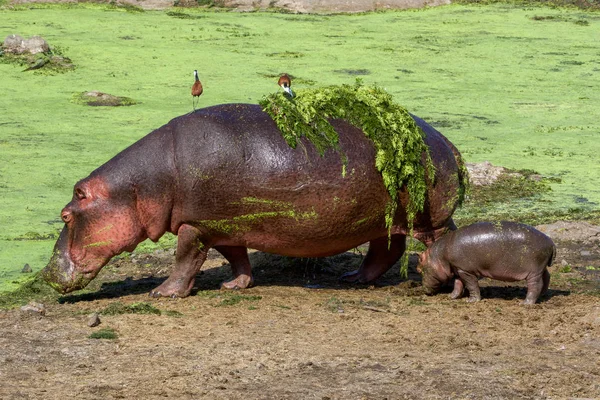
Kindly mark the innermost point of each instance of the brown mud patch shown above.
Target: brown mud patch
(299, 334)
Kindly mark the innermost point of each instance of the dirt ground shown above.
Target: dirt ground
(299, 334)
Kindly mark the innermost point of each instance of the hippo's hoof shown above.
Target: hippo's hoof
(351, 277)
(472, 299)
(241, 282)
(528, 302)
(156, 294)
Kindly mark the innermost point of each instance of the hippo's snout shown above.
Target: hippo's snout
(61, 273)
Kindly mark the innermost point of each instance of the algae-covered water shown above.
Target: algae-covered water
(517, 87)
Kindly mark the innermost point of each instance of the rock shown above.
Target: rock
(26, 269)
(481, 174)
(96, 98)
(566, 230)
(13, 43)
(17, 45)
(93, 320)
(34, 308)
(585, 253)
(35, 45)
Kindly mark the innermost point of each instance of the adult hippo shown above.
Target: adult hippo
(224, 178)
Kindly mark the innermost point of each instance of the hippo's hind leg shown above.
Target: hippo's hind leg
(191, 254)
(536, 285)
(379, 259)
(240, 266)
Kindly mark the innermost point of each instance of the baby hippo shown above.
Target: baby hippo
(506, 251)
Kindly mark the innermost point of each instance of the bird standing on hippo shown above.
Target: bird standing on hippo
(286, 84)
(224, 178)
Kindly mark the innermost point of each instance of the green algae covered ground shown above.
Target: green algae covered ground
(515, 86)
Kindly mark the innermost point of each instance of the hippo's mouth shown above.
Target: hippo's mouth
(61, 274)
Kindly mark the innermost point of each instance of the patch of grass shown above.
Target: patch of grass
(104, 333)
(286, 54)
(37, 236)
(353, 71)
(207, 3)
(510, 198)
(231, 299)
(182, 15)
(507, 188)
(417, 301)
(118, 308)
(334, 304)
(127, 7)
(33, 289)
(172, 313)
(565, 269)
(591, 5)
(50, 63)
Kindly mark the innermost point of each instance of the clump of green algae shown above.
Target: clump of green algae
(33, 289)
(398, 140)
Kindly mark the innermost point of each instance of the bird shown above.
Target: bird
(196, 89)
(286, 84)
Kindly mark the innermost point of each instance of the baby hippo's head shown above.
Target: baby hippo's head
(435, 274)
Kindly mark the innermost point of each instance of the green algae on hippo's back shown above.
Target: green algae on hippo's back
(398, 140)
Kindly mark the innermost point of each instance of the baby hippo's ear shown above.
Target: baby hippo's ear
(421, 262)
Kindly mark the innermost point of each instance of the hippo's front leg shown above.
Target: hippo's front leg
(240, 266)
(191, 254)
(470, 282)
(459, 289)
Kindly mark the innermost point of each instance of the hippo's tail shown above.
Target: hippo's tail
(463, 173)
(553, 257)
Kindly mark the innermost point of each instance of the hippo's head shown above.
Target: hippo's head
(99, 224)
(435, 274)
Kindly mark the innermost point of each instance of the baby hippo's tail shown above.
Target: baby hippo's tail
(546, 274)
(551, 261)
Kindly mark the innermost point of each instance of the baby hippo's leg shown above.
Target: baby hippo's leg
(470, 283)
(536, 285)
(459, 289)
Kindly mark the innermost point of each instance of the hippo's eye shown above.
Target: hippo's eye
(79, 193)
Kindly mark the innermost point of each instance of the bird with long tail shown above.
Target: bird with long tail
(196, 89)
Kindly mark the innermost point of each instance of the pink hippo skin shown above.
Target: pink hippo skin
(223, 177)
(506, 251)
